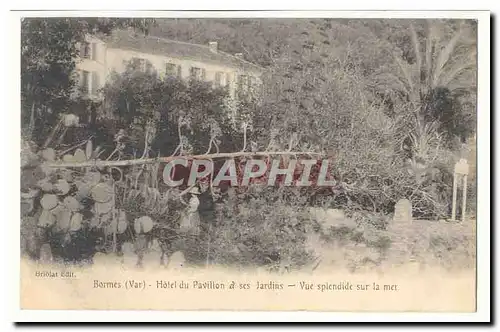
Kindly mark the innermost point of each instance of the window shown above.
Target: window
(89, 82)
(172, 70)
(85, 50)
(244, 83)
(149, 68)
(88, 51)
(143, 65)
(252, 84)
(85, 82)
(220, 79)
(95, 83)
(198, 73)
(248, 86)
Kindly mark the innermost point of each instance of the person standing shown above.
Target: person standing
(190, 217)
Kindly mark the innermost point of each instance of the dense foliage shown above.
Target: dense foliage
(390, 102)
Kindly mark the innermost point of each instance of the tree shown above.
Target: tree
(434, 85)
(184, 117)
(48, 58)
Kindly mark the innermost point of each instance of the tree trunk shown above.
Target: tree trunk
(52, 134)
(31, 126)
(118, 163)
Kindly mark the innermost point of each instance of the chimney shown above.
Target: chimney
(213, 47)
(239, 55)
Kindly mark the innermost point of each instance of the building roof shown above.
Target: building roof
(124, 39)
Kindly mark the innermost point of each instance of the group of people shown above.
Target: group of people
(202, 208)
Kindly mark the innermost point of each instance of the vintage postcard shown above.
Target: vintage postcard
(295, 161)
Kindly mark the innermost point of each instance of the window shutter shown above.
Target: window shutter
(149, 67)
(82, 49)
(218, 79)
(85, 81)
(179, 71)
(251, 83)
(94, 51)
(241, 83)
(203, 74)
(95, 83)
(85, 50)
(80, 80)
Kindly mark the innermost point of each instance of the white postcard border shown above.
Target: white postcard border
(11, 172)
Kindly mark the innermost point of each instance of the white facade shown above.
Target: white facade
(98, 61)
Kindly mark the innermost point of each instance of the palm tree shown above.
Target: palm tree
(443, 63)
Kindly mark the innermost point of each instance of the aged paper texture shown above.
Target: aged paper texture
(320, 163)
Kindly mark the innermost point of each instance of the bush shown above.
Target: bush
(263, 229)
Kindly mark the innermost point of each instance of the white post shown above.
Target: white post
(461, 172)
(464, 198)
(454, 203)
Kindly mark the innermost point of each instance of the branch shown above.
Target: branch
(209, 146)
(112, 154)
(118, 163)
(177, 149)
(179, 124)
(52, 134)
(244, 137)
(74, 147)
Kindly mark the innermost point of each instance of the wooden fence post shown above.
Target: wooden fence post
(460, 175)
